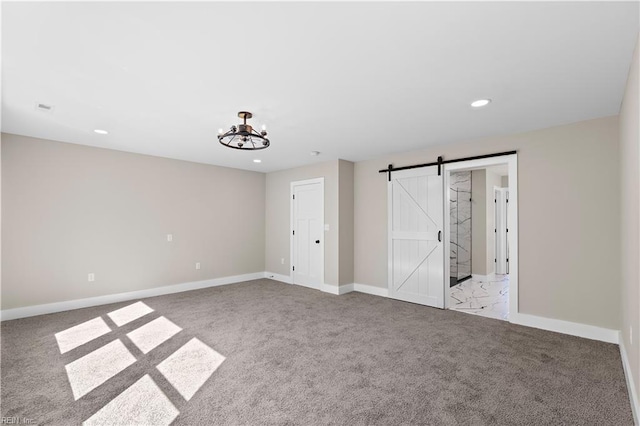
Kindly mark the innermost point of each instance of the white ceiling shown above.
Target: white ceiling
(352, 80)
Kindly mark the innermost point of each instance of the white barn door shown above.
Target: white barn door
(416, 248)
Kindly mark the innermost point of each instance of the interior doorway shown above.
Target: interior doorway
(483, 233)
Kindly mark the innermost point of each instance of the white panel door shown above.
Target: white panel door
(416, 248)
(308, 234)
(501, 230)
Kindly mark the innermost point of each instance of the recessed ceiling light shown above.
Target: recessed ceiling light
(315, 153)
(101, 132)
(480, 103)
(257, 160)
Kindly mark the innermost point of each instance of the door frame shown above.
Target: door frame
(512, 218)
(319, 180)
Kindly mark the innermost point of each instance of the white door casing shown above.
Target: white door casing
(511, 160)
(307, 233)
(416, 226)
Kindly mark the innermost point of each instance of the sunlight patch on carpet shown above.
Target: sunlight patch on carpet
(95, 368)
(142, 403)
(129, 313)
(80, 334)
(153, 334)
(188, 368)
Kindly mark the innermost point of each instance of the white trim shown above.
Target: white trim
(346, 288)
(331, 289)
(566, 327)
(293, 184)
(338, 290)
(278, 277)
(446, 220)
(30, 311)
(631, 387)
(512, 162)
(370, 289)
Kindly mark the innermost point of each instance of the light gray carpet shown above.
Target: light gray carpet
(299, 356)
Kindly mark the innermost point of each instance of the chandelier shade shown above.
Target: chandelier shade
(243, 136)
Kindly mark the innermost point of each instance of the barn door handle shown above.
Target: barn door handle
(317, 241)
(440, 236)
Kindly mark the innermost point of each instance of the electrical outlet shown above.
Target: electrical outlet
(91, 277)
(169, 237)
(282, 260)
(197, 265)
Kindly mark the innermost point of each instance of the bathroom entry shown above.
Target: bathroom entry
(460, 227)
(486, 238)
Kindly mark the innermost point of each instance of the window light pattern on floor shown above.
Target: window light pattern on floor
(187, 369)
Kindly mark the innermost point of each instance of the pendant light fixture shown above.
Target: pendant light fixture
(244, 136)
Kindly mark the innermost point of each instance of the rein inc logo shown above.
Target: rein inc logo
(17, 421)
(143, 402)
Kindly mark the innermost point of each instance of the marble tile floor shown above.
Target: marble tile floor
(487, 298)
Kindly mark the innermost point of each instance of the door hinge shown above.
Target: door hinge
(294, 196)
(495, 200)
(294, 268)
(507, 229)
(507, 260)
(495, 230)
(294, 232)
(495, 260)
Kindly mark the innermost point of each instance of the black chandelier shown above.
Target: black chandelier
(243, 136)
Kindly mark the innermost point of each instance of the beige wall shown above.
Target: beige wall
(568, 218)
(479, 222)
(338, 214)
(483, 243)
(278, 222)
(70, 210)
(345, 233)
(0, 220)
(630, 217)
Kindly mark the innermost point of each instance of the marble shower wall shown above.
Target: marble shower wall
(460, 230)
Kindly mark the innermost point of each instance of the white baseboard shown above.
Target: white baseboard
(346, 288)
(278, 277)
(338, 290)
(558, 326)
(328, 288)
(631, 386)
(566, 327)
(30, 311)
(370, 289)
